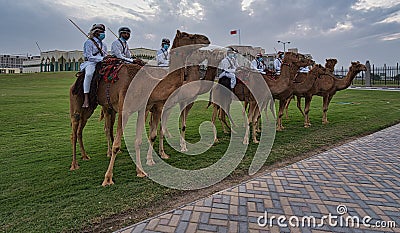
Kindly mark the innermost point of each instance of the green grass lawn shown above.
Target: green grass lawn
(40, 194)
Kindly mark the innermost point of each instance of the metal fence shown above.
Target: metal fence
(387, 76)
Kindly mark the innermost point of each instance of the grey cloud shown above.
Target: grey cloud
(270, 21)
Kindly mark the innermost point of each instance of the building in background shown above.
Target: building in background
(11, 63)
(31, 65)
(144, 53)
(56, 60)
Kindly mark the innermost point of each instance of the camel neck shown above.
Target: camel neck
(344, 83)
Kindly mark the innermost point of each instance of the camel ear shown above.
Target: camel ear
(178, 33)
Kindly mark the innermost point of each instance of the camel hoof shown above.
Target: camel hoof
(246, 142)
(216, 140)
(85, 157)
(109, 154)
(256, 141)
(325, 122)
(184, 149)
(107, 181)
(150, 162)
(141, 174)
(164, 156)
(74, 166)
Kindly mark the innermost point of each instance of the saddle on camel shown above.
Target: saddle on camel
(108, 71)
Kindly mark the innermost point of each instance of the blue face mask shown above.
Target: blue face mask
(231, 55)
(102, 36)
(166, 46)
(260, 59)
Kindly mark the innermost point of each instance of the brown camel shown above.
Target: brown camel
(300, 77)
(189, 93)
(278, 86)
(213, 60)
(113, 99)
(327, 86)
(280, 91)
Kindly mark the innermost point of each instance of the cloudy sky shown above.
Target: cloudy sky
(348, 30)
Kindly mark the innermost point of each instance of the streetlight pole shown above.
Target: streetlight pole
(284, 43)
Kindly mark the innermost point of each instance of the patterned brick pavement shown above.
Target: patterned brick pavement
(362, 176)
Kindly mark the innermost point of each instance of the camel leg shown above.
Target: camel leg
(74, 124)
(161, 150)
(155, 118)
(257, 117)
(184, 115)
(109, 118)
(326, 101)
(82, 123)
(287, 107)
(115, 148)
(222, 119)
(306, 111)
(213, 118)
(161, 146)
(271, 106)
(253, 119)
(299, 105)
(244, 112)
(138, 142)
(280, 114)
(164, 128)
(247, 132)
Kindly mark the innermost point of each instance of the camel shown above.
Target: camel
(112, 97)
(210, 75)
(277, 86)
(327, 86)
(186, 96)
(280, 86)
(300, 77)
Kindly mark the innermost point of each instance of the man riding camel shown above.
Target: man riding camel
(278, 62)
(228, 65)
(120, 48)
(258, 64)
(163, 54)
(94, 50)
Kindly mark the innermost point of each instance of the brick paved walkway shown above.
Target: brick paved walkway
(363, 176)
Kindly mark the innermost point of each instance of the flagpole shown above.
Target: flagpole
(239, 36)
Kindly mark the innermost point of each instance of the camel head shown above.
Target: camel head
(297, 59)
(330, 64)
(357, 67)
(184, 38)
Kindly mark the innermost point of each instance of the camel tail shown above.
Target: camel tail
(101, 115)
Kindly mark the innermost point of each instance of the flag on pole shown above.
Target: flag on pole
(236, 32)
